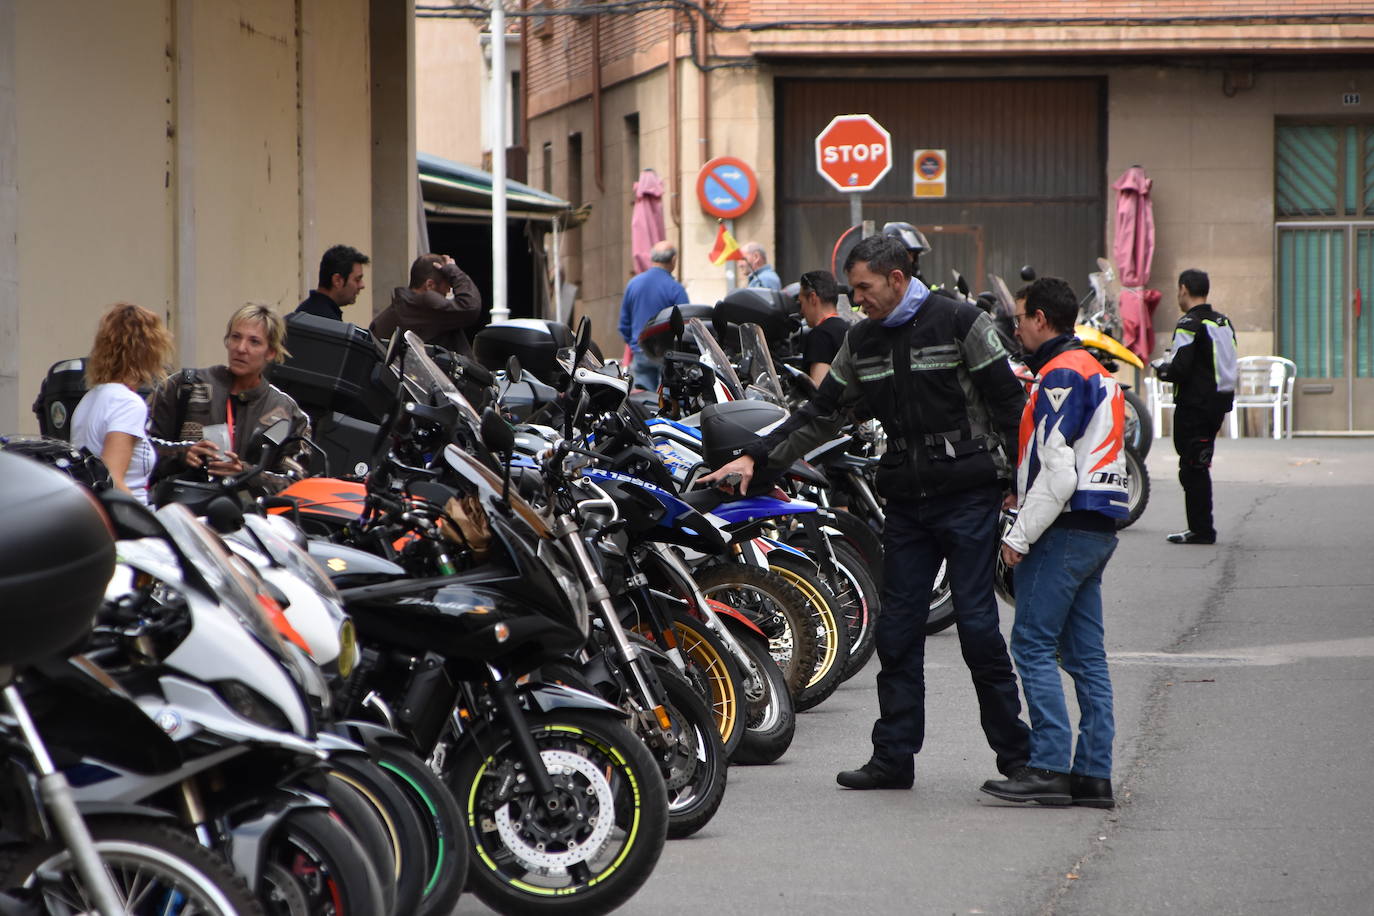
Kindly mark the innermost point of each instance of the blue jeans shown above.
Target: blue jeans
(962, 529)
(645, 372)
(1059, 608)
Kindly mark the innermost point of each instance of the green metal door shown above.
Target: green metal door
(1324, 198)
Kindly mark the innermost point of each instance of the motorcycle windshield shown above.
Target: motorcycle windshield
(1004, 300)
(429, 383)
(756, 366)
(713, 356)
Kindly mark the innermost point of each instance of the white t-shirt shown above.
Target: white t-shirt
(113, 408)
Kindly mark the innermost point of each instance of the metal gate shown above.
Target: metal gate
(1026, 164)
(1324, 246)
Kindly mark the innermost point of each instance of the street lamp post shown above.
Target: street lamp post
(500, 311)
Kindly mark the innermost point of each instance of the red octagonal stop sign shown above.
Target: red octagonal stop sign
(854, 152)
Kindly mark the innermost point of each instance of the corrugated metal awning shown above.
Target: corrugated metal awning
(451, 189)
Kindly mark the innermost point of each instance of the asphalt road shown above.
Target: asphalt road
(1244, 706)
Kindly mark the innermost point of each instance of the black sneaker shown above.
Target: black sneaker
(1032, 785)
(1192, 537)
(875, 775)
(1091, 792)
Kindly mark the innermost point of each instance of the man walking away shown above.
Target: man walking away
(1203, 370)
(341, 280)
(646, 295)
(1071, 482)
(934, 371)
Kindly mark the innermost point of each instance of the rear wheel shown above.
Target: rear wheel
(151, 864)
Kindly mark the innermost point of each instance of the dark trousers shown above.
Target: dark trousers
(962, 529)
(1195, 437)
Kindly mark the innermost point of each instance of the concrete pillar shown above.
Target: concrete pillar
(9, 228)
(394, 188)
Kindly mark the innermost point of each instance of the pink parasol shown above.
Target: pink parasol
(1133, 251)
(646, 219)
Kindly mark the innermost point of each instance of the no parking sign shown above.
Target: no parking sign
(928, 173)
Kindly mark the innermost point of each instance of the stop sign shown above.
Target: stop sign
(854, 152)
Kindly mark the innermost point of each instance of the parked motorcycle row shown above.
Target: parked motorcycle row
(508, 647)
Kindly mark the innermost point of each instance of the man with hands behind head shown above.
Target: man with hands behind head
(439, 303)
(933, 369)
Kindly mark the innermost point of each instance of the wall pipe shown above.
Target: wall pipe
(704, 102)
(597, 137)
(674, 138)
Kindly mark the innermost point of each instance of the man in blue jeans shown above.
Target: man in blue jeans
(1071, 480)
(646, 295)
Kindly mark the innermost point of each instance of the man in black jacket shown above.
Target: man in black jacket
(439, 304)
(341, 280)
(1203, 370)
(933, 369)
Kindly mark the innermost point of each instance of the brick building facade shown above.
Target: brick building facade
(1255, 120)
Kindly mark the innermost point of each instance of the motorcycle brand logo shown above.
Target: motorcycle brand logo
(169, 721)
(1056, 396)
(360, 469)
(336, 564)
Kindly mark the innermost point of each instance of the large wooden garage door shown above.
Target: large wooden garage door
(1027, 179)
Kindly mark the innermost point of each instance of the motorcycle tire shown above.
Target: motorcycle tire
(165, 862)
(770, 716)
(695, 770)
(406, 833)
(522, 859)
(355, 811)
(1137, 488)
(444, 870)
(775, 607)
(941, 602)
(827, 610)
(1140, 428)
(862, 620)
(712, 672)
(862, 539)
(325, 859)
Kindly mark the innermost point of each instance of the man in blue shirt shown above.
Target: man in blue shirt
(646, 295)
(761, 273)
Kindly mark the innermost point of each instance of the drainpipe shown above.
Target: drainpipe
(674, 139)
(704, 85)
(596, 105)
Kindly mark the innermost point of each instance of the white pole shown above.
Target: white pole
(557, 276)
(500, 311)
(730, 275)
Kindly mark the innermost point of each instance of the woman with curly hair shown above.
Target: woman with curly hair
(131, 348)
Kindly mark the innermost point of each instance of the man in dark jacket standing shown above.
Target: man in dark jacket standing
(933, 369)
(1203, 370)
(426, 308)
(341, 280)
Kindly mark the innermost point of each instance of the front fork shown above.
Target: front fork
(708, 615)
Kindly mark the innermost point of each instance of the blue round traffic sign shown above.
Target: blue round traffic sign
(727, 187)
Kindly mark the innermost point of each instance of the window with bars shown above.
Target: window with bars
(1324, 171)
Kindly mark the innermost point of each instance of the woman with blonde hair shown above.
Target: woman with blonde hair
(131, 348)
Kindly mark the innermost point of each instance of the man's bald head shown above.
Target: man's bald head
(663, 254)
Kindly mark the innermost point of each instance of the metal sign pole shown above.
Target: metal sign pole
(499, 308)
(856, 208)
(731, 278)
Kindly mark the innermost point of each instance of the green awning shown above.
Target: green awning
(453, 189)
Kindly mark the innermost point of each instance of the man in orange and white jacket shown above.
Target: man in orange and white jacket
(1071, 484)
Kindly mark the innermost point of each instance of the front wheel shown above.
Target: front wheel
(941, 602)
(694, 766)
(1137, 488)
(325, 860)
(1140, 428)
(771, 718)
(591, 848)
(151, 864)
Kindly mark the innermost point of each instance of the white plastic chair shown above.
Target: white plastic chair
(1159, 394)
(1265, 382)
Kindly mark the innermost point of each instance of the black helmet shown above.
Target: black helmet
(912, 239)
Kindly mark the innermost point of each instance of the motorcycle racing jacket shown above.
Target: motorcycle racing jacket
(1071, 468)
(1203, 365)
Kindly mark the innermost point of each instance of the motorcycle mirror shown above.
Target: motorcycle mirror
(1027, 273)
(960, 284)
(676, 323)
(224, 515)
(583, 341)
(514, 372)
(497, 434)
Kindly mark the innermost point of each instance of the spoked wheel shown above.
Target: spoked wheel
(155, 869)
(862, 619)
(589, 852)
(695, 765)
(713, 674)
(771, 719)
(941, 602)
(827, 619)
(775, 607)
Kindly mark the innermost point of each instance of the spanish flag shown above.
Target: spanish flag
(725, 248)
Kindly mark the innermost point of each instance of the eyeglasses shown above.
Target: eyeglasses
(1016, 318)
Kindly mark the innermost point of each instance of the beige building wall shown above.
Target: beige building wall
(1212, 160)
(186, 156)
(449, 76)
(94, 115)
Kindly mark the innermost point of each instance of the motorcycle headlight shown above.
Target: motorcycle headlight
(349, 653)
(568, 582)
